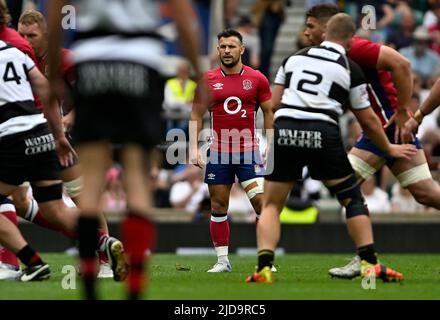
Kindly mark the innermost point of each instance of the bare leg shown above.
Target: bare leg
(138, 232)
(268, 229)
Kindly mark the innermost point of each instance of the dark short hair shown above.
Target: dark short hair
(323, 12)
(230, 33)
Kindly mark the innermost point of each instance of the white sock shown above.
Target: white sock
(32, 210)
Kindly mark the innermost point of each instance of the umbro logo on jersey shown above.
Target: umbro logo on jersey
(218, 86)
(247, 84)
(211, 176)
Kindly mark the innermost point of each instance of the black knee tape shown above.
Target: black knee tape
(50, 193)
(349, 189)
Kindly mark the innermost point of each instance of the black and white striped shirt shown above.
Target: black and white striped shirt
(17, 108)
(318, 81)
(122, 30)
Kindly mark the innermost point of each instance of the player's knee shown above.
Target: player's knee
(74, 187)
(363, 169)
(21, 198)
(423, 196)
(48, 193)
(349, 195)
(219, 205)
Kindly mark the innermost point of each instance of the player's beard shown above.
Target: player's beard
(231, 64)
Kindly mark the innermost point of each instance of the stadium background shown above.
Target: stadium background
(313, 221)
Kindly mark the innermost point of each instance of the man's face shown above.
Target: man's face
(35, 36)
(230, 50)
(314, 31)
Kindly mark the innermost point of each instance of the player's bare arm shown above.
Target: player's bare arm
(188, 31)
(429, 105)
(372, 126)
(277, 94)
(267, 108)
(199, 108)
(40, 86)
(400, 69)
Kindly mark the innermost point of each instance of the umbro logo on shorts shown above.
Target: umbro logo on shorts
(211, 176)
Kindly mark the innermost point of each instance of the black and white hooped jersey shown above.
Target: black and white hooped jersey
(318, 82)
(118, 30)
(17, 108)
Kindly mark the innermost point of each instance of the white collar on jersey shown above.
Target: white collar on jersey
(333, 45)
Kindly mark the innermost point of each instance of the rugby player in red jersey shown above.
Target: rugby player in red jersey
(389, 76)
(236, 92)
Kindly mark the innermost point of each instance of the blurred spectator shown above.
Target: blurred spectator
(239, 203)
(377, 199)
(403, 201)
(415, 102)
(268, 16)
(402, 35)
(417, 83)
(384, 15)
(114, 196)
(430, 17)
(203, 213)
(434, 29)
(419, 8)
(431, 145)
(230, 12)
(312, 3)
(178, 97)
(251, 55)
(189, 190)
(161, 187)
(423, 60)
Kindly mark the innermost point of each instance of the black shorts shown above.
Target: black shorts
(119, 102)
(29, 156)
(315, 144)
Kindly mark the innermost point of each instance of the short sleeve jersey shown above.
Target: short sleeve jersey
(11, 36)
(381, 89)
(17, 107)
(235, 102)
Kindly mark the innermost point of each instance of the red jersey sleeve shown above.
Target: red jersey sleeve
(264, 92)
(364, 52)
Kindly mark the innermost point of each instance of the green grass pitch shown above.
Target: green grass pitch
(300, 276)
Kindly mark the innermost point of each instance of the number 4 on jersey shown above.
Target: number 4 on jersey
(11, 74)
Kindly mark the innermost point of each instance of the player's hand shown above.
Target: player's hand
(400, 118)
(197, 159)
(405, 151)
(66, 153)
(68, 121)
(411, 126)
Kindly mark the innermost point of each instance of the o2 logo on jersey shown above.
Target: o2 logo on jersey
(237, 109)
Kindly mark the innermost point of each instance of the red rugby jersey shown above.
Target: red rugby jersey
(381, 89)
(235, 99)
